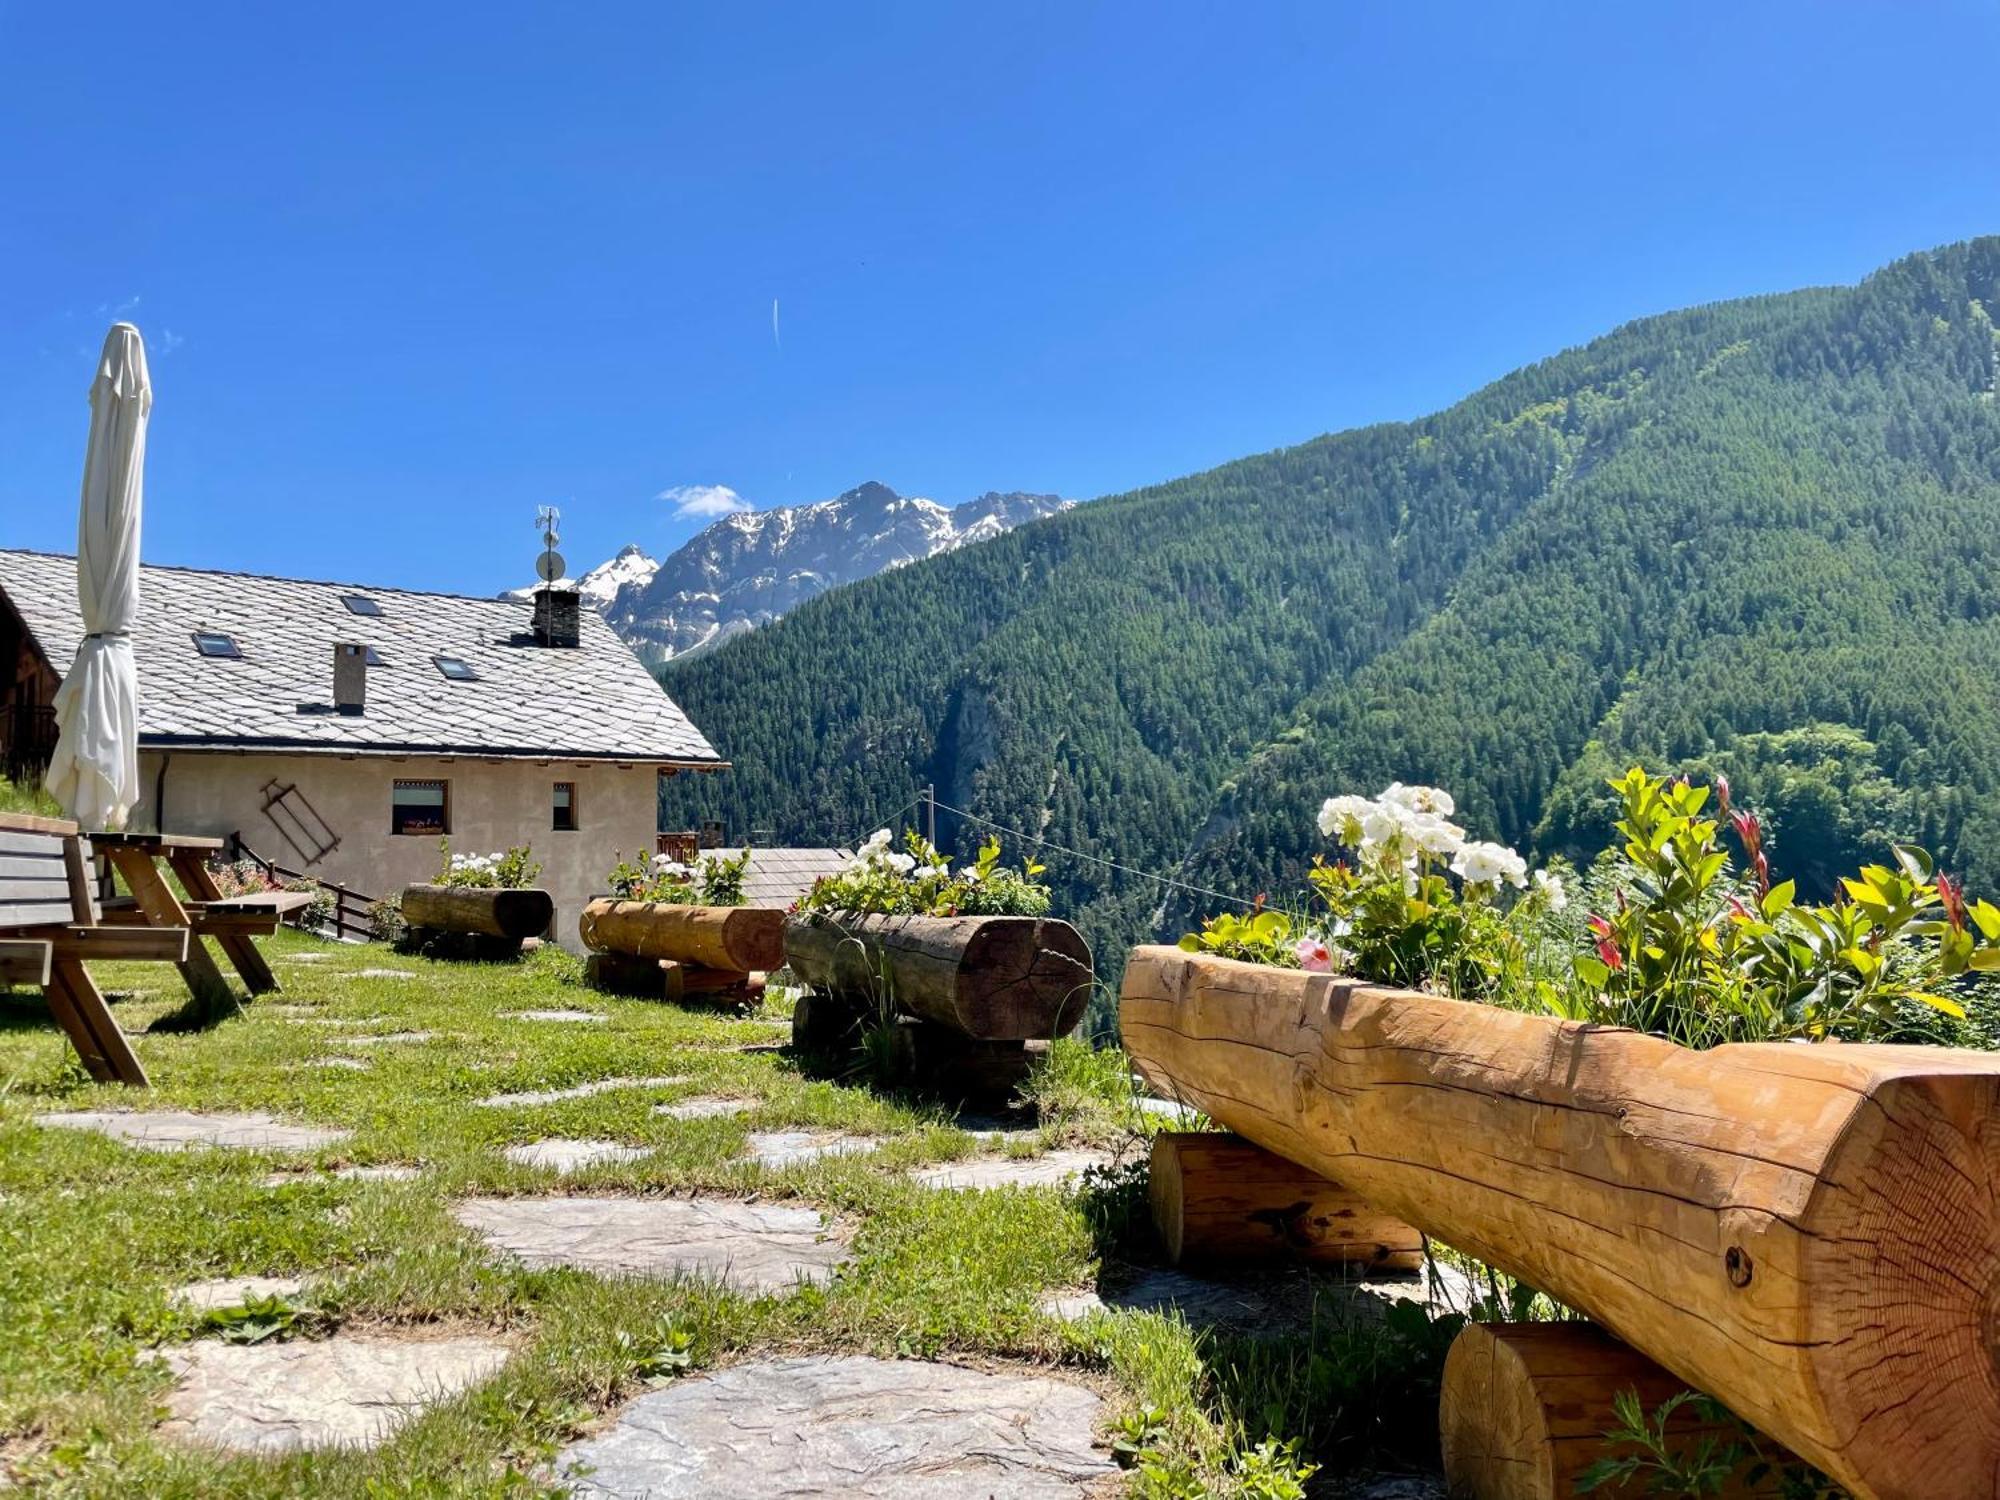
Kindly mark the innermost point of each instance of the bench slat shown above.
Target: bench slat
(35, 913)
(24, 961)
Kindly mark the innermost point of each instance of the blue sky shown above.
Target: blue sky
(408, 272)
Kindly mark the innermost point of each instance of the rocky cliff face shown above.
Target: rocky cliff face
(750, 568)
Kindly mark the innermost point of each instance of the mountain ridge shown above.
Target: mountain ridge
(1755, 529)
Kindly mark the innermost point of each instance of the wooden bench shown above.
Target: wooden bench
(50, 927)
(138, 858)
(256, 915)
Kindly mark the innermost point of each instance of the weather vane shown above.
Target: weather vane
(549, 566)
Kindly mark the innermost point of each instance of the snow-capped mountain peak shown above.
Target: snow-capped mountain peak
(748, 568)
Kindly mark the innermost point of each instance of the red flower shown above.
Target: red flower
(1751, 832)
(1607, 945)
(1952, 895)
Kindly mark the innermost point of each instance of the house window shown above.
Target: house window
(217, 643)
(420, 807)
(565, 807)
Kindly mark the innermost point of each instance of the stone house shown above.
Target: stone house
(342, 731)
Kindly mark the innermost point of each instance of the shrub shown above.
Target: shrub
(919, 881)
(712, 880)
(385, 921)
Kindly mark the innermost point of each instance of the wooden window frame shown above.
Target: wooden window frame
(575, 823)
(444, 809)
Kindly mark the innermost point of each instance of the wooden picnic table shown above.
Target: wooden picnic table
(138, 857)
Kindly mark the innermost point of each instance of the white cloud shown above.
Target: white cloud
(168, 342)
(703, 501)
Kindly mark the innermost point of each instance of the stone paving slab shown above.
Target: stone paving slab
(564, 1157)
(390, 1172)
(1050, 1169)
(756, 1247)
(178, 1129)
(708, 1107)
(1266, 1302)
(235, 1291)
(789, 1148)
(341, 1392)
(575, 1091)
(816, 1427)
(585, 1016)
(383, 974)
(388, 1039)
(347, 1064)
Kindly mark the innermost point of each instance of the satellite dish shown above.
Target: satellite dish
(549, 566)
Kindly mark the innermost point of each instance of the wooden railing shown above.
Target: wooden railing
(350, 907)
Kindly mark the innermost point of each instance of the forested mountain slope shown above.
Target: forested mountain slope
(1760, 534)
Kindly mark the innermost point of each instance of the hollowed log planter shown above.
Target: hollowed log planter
(1810, 1234)
(743, 939)
(989, 978)
(477, 912)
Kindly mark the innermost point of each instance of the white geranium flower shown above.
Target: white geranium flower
(1420, 799)
(1340, 818)
(970, 875)
(1386, 823)
(1550, 888)
(879, 839)
(902, 864)
(1434, 835)
(1481, 863)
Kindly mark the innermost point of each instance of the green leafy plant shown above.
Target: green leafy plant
(257, 1320)
(1135, 1433)
(712, 880)
(513, 869)
(1694, 1465)
(1696, 950)
(657, 1357)
(917, 880)
(1272, 1470)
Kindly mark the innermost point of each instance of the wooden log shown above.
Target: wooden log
(1218, 1198)
(478, 912)
(1524, 1407)
(745, 939)
(958, 1069)
(24, 961)
(690, 983)
(990, 978)
(622, 974)
(823, 1021)
(1809, 1233)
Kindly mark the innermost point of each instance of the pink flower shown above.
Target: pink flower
(1313, 955)
(1607, 944)
(1722, 792)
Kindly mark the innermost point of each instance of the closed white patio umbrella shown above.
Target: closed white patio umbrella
(94, 772)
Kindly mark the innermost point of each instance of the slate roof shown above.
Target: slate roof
(596, 702)
(778, 877)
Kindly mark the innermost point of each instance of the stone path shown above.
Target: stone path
(576, 1091)
(708, 1107)
(757, 1247)
(383, 974)
(552, 1015)
(388, 1039)
(235, 1291)
(1276, 1300)
(564, 1157)
(350, 1064)
(789, 1148)
(1050, 1169)
(353, 1392)
(809, 1428)
(176, 1130)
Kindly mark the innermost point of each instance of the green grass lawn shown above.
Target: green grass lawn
(95, 1234)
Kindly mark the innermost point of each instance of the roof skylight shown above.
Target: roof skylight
(457, 669)
(217, 643)
(360, 604)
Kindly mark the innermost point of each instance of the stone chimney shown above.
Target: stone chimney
(557, 616)
(350, 677)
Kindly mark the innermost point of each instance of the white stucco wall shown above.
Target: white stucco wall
(494, 804)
